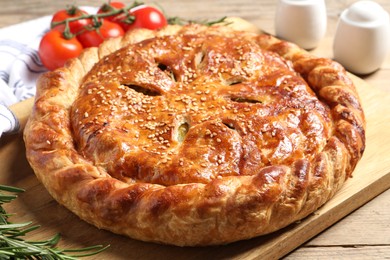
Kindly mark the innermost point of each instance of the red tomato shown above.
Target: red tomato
(54, 50)
(75, 26)
(108, 7)
(94, 38)
(145, 17)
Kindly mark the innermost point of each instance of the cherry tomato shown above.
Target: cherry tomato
(108, 7)
(145, 17)
(54, 50)
(93, 38)
(75, 26)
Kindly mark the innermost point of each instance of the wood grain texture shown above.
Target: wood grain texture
(37, 205)
(372, 233)
(360, 235)
(342, 252)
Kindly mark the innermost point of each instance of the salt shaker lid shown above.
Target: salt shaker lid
(365, 14)
(362, 37)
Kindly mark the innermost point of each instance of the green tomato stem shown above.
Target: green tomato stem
(97, 16)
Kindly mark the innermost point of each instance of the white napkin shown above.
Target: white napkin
(20, 65)
(8, 122)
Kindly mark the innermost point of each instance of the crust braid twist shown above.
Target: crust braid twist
(195, 135)
(332, 84)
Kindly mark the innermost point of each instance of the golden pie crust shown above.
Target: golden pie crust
(195, 135)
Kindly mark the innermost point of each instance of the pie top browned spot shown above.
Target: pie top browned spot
(195, 135)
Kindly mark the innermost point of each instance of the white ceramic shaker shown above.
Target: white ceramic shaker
(301, 21)
(362, 37)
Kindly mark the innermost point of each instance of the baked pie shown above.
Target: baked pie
(195, 135)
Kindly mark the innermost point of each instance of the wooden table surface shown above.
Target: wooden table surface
(363, 234)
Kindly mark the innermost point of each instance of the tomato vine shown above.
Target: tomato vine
(73, 29)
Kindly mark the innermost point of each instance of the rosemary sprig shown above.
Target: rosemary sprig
(181, 21)
(14, 246)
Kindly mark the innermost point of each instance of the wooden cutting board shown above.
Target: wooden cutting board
(371, 177)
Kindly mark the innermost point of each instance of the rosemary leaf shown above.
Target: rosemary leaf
(11, 189)
(181, 21)
(13, 226)
(14, 246)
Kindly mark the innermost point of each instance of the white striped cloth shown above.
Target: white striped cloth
(20, 65)
(8, 122)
